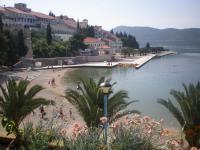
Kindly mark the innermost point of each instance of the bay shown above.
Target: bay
(152, 81)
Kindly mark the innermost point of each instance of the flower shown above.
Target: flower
(175, 143)
(193, 148)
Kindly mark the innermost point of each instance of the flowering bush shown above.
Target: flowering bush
(141, 133)
(84, 140)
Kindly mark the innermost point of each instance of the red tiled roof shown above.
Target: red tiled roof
(104, 47)
(2, 9)
(108, 40)
(16, 10)
(41, 15)
(91, 40)
(32, 13)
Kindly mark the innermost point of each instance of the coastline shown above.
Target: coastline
(42, 77)
(55, 93)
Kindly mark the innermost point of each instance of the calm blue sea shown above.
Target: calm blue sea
(154, 80)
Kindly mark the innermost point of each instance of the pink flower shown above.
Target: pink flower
(194, 148)
(175, 143)
(146, 118)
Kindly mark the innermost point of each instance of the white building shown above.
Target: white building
(93, 42)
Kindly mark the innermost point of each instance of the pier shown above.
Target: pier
(134, 62)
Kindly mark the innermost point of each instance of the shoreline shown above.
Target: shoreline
(42, 77)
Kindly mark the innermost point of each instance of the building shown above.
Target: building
(104, 50)
(114, 43)
(93, 42)
(20, 17)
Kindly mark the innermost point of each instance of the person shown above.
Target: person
(42, 111)
(70, 113)
(53, 83)
(61, 113)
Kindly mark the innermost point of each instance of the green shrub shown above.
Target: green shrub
(130, 139)
(85, 141)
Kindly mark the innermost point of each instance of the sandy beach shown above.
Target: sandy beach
(55, 93)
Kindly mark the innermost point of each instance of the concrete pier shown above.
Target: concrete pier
(141, 61)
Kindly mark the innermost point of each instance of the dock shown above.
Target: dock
(166, 53)
(141, 61)
(134, 62)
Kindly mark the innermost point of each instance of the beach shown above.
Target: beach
(55, 93)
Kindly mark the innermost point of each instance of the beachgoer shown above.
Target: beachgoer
(70, 113)
(53, 83)
(42, 111)
(61, 113)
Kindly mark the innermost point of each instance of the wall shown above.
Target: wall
(25, 63)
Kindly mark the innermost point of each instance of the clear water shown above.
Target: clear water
(154, 80)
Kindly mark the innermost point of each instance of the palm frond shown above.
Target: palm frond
(174, 110)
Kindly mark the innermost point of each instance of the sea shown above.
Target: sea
(152, 81)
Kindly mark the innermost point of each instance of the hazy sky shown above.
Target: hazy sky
(112, 13)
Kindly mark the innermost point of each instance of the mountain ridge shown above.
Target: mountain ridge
(162, 36)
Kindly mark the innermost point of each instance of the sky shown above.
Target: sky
(111, 13)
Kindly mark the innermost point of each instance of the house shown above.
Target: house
(104, 50)
(114, 43)
(93, 42)
(20, 17)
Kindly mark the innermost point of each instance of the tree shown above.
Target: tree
(89, 102)
(18, 101)
(61, 16)
(147, 45)
(111, 31)
(76, 43)
(48, 34)
(189, 113)
(3, 49)
(78, 26)
(21, 45)
(51, 14)
(1, 24)
(12, 51)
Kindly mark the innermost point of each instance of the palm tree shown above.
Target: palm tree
(88, 99)
(189, 113)
(18, 101)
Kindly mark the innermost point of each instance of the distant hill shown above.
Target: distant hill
(163, 37)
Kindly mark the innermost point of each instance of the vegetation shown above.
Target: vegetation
(89, 102)
(21, 44)
(39, 137)
(128, 40)
(88, 31)
(87, 140)
(57, 49)
(48, 34)
(189, 113)
(17, 102)
(129, 51)
(76, 43)
(1, 24)
(41, 49)
(128, 138)
(12, 47)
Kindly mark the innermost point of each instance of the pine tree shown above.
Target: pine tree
(1, 24)
(3, 49)
(21, 45)
(111, 31)
(78, 26)
(48, 34)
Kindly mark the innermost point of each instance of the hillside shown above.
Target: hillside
(169, 36)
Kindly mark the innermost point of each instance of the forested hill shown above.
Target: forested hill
(148, 34)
